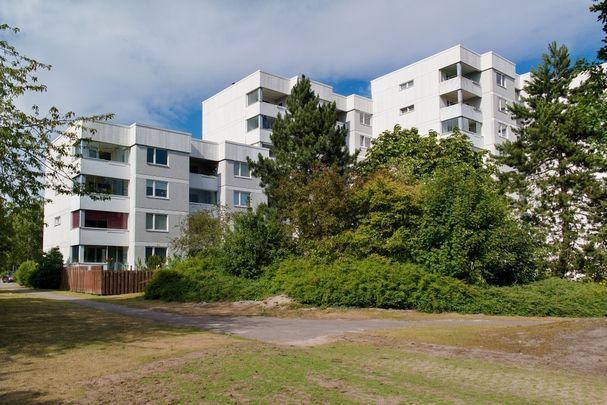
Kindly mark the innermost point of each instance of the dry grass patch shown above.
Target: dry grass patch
(51, 350)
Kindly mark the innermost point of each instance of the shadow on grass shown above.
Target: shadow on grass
(39, 327)
(25, 398)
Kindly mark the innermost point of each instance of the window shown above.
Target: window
(75, 255)
(253, 96)
(156, 188)
(242, 199)
(57, 221)
(365, 118)
(104, 185)
(502, 105)
(157, 156)
(471, 126)
(365, 141)
(502, 130)
(500, 79)
(408, 109)
(267, 122)
(99, 219)
(449, 125)
(203, 196)
(241, 169)
(406, 85)
(260, 121)
(156, 222)
(253, 123)
(155, 251)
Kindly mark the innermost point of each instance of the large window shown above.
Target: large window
(365, 141)
(104, 151)
(157, 156)
(502, 130)
(449, 125)
(99, 254)
(156, 222)
(502, 104)
(471, 126)
(500, 79)
(253, 96)
(260, 121)
(100, 219)
(241, 169)
(155, 251)
(365, 118)
(104, 185)
(242, 199)
(201, 196)
(156, 188)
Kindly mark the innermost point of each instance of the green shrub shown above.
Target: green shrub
(256, 240)
(154, 262)
(377, 282)
(49, 270)
(201, 279)
(26, 272)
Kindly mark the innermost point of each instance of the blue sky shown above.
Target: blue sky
(155, 61)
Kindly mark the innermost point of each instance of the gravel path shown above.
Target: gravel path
(286, 331)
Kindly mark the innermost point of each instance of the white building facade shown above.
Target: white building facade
(156, 177)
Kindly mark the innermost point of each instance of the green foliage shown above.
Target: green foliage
(318, 203)
(307, 175)
(20, 233)
(377, 282)
(201, 279)
(28, 154)
(558, 156)
(26, 273)
(256, 240)
(200, 232)
(305, 137)
(49, 270)
(421, 155)
(154, 262)
(466, 231)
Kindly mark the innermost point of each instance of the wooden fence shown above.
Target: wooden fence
(95, 280)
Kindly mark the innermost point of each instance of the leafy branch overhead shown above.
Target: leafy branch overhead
(28, 147)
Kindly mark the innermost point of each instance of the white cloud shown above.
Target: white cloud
(155, 61)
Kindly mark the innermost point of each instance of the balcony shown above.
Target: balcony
(195, 207)
(105, 168)
(451, 84)
(204, 182)
(460, 110)
(96, 236)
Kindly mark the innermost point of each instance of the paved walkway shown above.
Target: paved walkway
(287, 331)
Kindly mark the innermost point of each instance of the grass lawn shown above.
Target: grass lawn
(54, 352)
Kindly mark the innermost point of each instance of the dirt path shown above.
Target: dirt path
(285, 331)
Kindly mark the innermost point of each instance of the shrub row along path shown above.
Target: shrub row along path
(286, 331)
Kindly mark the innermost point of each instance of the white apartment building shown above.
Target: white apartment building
(454, 88)
(156, 177)
(245, 111)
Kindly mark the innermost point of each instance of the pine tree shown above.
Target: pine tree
(558, 157)
(305, 139)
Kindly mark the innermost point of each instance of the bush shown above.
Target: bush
(26, 272)
(49, 271)
(154, 262)
(201, 279)
(256, 241)
(376, 282)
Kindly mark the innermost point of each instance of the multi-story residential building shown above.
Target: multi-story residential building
(245, 111)
(157, 176)
(454, 88)
(154, 178)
